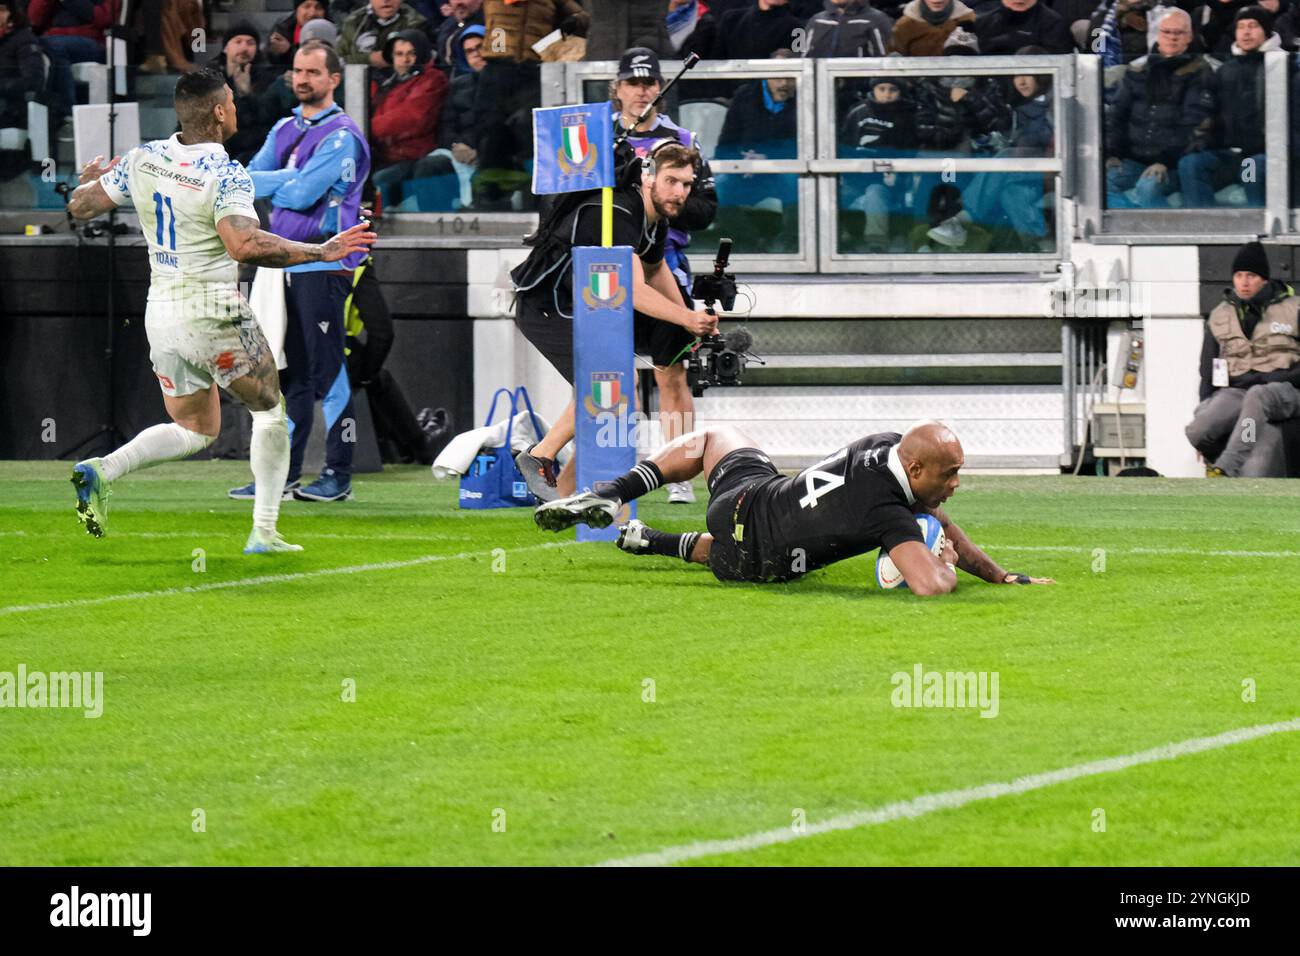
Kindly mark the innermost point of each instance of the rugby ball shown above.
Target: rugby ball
(887, 575)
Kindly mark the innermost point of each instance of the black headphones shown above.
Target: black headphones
(648, 161)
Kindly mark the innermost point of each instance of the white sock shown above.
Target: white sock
(268, 453)
(156, 444)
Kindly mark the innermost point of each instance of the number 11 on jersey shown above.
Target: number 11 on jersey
(158, 200)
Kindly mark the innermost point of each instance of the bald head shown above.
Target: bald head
(930, 442)
(932, 456)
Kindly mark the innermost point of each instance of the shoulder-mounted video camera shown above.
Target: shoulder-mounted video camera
(718, 359)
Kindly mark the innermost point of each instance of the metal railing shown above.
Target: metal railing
(819, 169)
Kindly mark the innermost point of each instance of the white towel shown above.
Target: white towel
(461, 451)
(267, 301)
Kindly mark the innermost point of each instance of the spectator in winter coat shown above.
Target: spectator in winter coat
(286, 35)
(1216, 22)
(464, 13)
(1076, 14)
(22, 71)
(624, 25)
(762, 121)
(925, 25)
(757, 31)
(1162, 111)
(882, 124)
(406, 101)
(1019, 23)
(405, 107)
(1239, 124)
(71, 31)
(692, 28)
(365, 32)
(1015, 200)
(956, 113)
(513, 26)
(1131, 22)
(1286, 22)
(458, 131)
(180, 20)
(1293, 124)
(1220, 28)
(847, 28)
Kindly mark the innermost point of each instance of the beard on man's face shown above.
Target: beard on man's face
(308, 96)
(669, 209)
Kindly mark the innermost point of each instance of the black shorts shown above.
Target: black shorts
(735, 485)
(552, 335)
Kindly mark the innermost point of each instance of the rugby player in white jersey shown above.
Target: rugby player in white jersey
(196, 212)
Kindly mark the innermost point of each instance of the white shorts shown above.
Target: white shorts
(193, 346)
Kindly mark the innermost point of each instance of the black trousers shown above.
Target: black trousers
(314, 350)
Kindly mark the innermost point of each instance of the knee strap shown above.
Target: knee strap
(271, 416)
(195, 442)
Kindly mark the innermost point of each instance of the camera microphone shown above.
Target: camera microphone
(738, 340)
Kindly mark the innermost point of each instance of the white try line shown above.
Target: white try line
(271, 579)
(952, 799)
(1193, 552)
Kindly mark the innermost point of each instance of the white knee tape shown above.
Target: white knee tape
(271, 417)
(196, 441)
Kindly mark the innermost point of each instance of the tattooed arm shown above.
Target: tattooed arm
(89, 199)
(247, 243)
(973, 560)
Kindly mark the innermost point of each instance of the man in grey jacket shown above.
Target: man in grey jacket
(847, 28)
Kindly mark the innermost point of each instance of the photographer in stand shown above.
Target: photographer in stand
(651, 192)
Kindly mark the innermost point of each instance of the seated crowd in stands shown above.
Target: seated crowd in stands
(452, 85)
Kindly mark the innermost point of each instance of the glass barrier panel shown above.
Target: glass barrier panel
(1171, 142)
(731, 118)
(475, 153)
(759, 212)
(896, 116)
(941, 213)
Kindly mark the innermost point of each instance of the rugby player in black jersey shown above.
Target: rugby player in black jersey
(763, 526)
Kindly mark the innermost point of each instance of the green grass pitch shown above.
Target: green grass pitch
(510, 686)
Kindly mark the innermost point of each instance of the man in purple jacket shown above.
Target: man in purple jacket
(312, 167)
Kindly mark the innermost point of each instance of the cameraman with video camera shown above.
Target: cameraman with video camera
(650, 192)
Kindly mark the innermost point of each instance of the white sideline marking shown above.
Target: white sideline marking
(1184, 551)
(271, 579)
(952, 799)
(1059, 548)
